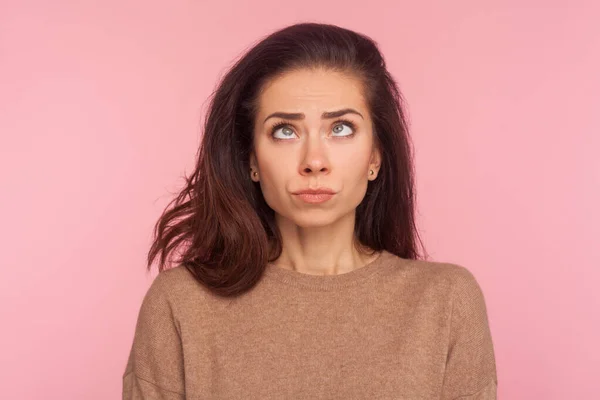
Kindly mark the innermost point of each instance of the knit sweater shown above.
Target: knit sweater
(392, 329)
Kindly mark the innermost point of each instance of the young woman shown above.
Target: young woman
(288, 263)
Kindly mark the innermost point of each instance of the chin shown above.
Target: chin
(313, 219)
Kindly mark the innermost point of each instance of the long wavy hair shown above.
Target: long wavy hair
(220, 227)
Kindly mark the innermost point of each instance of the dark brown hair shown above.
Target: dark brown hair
(220, 225)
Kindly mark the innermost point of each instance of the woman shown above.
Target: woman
(298, 274)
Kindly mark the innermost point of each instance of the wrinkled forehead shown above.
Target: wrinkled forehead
(311, 92)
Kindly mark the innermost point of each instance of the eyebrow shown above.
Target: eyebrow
(325, 115)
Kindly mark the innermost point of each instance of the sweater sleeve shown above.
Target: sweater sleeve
(470, 372)
(155, 365)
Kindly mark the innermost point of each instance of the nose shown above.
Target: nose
(315, 158)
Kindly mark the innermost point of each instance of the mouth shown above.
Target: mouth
(315, 196)
(315, 191)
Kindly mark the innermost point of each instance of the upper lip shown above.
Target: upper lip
(321, 190)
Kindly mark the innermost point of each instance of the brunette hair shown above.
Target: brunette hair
(220, 225)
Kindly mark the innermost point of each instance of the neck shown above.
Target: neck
(321, 250)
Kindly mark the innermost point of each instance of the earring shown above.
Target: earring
(371, 172)
(255, 174)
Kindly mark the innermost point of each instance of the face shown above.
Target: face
(309, 149)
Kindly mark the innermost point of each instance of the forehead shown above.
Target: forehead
(305, 90)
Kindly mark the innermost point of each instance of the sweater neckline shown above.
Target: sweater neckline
(331, 282)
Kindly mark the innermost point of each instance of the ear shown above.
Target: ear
(375, 162)
(253, 167)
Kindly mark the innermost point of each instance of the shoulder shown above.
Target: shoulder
(455, 285)
(173, 280)
(173, 290)
(185, 297)
(438, 273)
(168, 284)
(446, 281)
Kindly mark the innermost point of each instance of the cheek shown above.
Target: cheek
(273, 177)
(353, 161)
(353, 171)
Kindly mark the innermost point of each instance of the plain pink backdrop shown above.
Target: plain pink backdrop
(100, 110)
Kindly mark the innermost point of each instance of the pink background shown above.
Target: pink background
(100, 109)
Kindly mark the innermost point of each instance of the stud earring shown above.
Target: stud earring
(371, 172)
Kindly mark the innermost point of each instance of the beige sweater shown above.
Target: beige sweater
(393, 329)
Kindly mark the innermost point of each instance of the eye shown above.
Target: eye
(338, 130)
(285, 130)
(339, 127)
